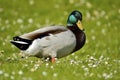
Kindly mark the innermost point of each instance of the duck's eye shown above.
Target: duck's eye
(77, 14)
(72, 19)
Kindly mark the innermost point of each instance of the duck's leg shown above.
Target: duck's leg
(53, 60)
(53, 56)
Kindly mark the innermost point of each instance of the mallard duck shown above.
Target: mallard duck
(53, 41)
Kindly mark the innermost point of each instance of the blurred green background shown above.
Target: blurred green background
(98, 59)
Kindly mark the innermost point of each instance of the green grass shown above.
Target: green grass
(99, 59)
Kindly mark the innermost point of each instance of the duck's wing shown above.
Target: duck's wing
(40, 33)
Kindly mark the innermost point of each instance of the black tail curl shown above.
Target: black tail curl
(21, 43)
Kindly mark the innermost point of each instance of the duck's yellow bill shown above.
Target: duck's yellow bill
(79, 24)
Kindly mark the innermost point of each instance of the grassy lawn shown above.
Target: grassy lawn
(99, 59)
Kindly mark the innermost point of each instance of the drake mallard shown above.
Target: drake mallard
(53, 41)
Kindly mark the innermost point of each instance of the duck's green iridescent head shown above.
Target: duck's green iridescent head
(75, 18)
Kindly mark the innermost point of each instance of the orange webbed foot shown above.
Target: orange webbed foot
(53, 60)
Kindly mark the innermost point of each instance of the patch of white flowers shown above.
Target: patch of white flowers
(20, 72)
(44, 73)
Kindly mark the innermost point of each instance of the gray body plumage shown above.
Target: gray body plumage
(54, 45)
